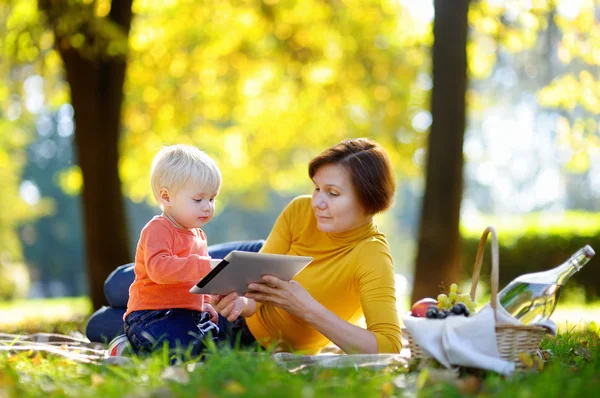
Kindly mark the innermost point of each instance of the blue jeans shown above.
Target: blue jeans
(107, 323)
(183, 331)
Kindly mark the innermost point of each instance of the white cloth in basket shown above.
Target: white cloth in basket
(462, 341)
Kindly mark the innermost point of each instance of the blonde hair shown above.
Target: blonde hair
(175, 165)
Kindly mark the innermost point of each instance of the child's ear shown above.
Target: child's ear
(164, 196)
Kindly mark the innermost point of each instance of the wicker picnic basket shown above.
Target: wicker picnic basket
(511, 339)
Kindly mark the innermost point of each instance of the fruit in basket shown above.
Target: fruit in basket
(420, 308)
(454, 297)
(451, 304)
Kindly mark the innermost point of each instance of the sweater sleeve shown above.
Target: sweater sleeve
(163, 265)
(280, 238)
(376, 286)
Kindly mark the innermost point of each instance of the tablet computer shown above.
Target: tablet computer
(238, 269)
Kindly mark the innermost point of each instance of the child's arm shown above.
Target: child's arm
(165, 267)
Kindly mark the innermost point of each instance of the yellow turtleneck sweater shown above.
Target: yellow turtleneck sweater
(351, 274)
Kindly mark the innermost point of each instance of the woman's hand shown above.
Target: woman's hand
(289, 296)
(232, 306)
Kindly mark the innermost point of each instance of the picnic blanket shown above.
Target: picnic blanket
(74, 347)
(77, 347)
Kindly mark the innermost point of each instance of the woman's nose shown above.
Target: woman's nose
(320, 202)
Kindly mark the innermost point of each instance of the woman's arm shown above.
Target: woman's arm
(293, 298)
(375, 281)
(349, 338)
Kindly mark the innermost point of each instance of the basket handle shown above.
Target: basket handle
(495, 267)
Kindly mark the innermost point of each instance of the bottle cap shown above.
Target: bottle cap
(588, 251)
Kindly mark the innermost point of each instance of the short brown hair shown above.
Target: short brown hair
(370, 171)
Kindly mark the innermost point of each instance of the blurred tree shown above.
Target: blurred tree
(573, 93)
(260, 85)
(21, 202)
(533, 68)
(265, 85)
(93, 48)
(438, 256)
(91, 42)
(53, 245)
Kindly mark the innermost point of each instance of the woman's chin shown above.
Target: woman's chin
(325, 227)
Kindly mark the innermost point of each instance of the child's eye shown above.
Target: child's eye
(212, 199)
(197, 200)
(317, 189)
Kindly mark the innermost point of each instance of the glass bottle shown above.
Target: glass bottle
(532, 297)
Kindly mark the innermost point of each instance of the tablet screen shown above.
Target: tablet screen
(238, 269)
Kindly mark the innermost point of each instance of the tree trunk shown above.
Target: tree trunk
(439, 237)
(97, 96)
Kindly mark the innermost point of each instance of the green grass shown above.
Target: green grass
(573, 371)
(60, 315)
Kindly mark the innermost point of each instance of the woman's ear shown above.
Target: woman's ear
(164, 197)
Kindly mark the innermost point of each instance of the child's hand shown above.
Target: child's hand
(214, 317)
(230, 306)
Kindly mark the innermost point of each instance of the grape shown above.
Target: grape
(463, 298)
(453, 303)
(431, 313)
(442, 304)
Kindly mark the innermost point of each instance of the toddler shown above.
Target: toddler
(172, 256)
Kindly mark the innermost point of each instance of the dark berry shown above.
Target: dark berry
(457, 310)
(466, 311)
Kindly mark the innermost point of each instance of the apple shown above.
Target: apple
(420, 307)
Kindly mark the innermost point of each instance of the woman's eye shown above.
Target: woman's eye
(334, 194)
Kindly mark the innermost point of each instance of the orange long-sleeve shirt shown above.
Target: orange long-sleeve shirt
(168, 262)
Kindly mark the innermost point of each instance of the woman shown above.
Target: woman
(351, 274)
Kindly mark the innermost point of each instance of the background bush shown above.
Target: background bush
(535, 243)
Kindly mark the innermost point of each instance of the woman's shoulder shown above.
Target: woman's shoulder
(373, 249)
(300, 204)
(302, 201)
(374, 244)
